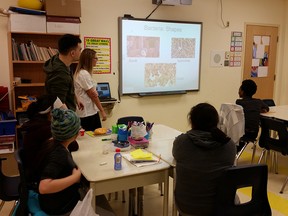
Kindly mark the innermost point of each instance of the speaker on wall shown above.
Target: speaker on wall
(217, 58)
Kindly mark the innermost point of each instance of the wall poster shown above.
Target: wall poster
(103, 48)
(260, 54)
(235, 49)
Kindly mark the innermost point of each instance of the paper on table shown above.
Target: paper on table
(141, 155)
(141, 162)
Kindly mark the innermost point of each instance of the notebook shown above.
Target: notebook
(104, 92)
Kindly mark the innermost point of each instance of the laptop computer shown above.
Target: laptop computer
(104, 92)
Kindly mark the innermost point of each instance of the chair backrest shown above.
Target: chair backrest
(269, 102)
(232, 121)
(126, 119)
(8, 185)
(233, 178)
(274, 135)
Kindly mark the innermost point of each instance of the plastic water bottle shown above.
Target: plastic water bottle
(118, 159)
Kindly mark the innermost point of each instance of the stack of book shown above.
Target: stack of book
(31, 52)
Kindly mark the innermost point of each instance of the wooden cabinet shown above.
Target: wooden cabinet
(30, 71)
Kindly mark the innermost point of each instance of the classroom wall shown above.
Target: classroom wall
(217, 85)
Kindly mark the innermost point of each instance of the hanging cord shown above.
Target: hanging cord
(160, 2)
(221, 15)
(4, 96)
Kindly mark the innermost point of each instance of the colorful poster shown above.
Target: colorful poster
(235, 49)
(103, 48)
(260, 53)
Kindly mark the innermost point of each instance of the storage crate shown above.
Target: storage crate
(7, 147)
(8, 127)
(27, 23)
(7, 138)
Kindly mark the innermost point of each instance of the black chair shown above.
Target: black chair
(232, 123)
(246, 142)
(22, 209)
(233, 178)
(274, 136)
(269, 102)
(8, 187)
(126, 119)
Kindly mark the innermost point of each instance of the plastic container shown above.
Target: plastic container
(118, 160)
(114, 133)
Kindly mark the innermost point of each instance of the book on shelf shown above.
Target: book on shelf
(20, 52)
(28, 52)
(39, 54)
(31, 52)
(23, 51)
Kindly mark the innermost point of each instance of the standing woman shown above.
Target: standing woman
(85, 89)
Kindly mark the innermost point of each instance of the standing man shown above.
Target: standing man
(59, 77)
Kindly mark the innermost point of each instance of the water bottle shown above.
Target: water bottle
(118, 160)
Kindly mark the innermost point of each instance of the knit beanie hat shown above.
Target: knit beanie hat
(65, 124)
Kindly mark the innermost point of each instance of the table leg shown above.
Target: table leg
(174, 209)
(166, 194)
(132, 194)
(140, 199)
(93, 202)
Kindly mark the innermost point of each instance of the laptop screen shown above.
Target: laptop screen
(103, 90)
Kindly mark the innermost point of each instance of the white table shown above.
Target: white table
(104, 179)
(279, 112)
(161, 144)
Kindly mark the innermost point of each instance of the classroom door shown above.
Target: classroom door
(260, 58)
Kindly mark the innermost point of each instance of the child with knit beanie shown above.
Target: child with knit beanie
(60, 177)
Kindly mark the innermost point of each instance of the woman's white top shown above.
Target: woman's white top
(83, 82)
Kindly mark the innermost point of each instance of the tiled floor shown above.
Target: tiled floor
(153, 200)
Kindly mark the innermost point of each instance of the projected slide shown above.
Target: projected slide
(159, 56)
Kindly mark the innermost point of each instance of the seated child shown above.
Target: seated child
(201, 154)
(60, 177)
(252, 108)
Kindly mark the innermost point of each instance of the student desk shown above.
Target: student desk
(161, 145)
(279, 112)
(98, 169)
(162, 142)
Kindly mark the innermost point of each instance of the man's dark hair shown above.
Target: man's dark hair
(68, 42)
(249, 87)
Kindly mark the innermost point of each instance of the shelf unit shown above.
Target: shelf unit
(28, 70)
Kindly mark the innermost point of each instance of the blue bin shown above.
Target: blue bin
(8, 127)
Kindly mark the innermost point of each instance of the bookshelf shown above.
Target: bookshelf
(29, 70)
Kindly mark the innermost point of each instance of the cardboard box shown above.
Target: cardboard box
(27, 23)
(64, 25)
(67, 8)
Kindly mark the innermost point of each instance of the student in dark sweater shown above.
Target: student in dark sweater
(37, 131)
(59, 77)
(252, 108)
(201, 155)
